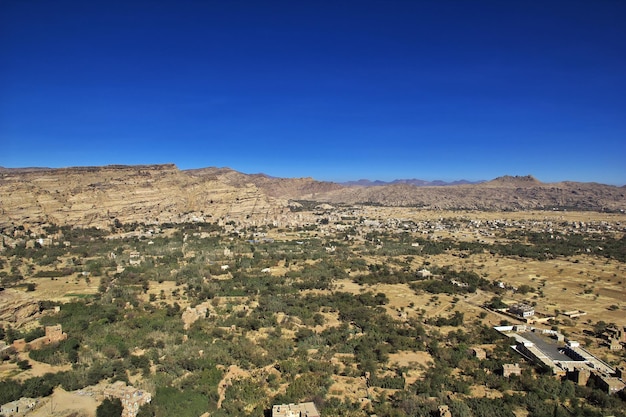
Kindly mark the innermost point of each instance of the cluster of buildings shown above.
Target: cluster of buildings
(615, 337)
(524, 312)
(569, 361)
(608, 384)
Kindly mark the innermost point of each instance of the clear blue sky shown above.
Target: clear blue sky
(336, 90)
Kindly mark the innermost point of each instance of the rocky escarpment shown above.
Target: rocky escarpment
(96, 196)
(284, 188)
(100, 196)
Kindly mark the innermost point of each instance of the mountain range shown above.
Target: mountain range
(413, 181)
(96, 196)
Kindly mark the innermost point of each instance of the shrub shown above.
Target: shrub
(110, 408)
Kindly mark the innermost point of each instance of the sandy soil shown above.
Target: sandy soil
(63, 289)
(480, 391)
(347, 387)
(63, 404)
(417, 362)
(232, 373)
(563, 283)
(38, 368)
(554, 216)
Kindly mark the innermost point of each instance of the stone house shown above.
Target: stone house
(522, 310)
(295, 410)
(618, 333)
(615, 344)
(580, 375)
(54, 334)
(131, 397)
(444, 411)
(18, 407)
(479, 353)
(134, 258)
(509, 369)
(608, 384)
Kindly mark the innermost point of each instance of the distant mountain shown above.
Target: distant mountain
(24, 169)
(97, 196)
(414, 181)
(513, 181)
(503, 194)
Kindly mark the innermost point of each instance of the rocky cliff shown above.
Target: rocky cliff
(97, 196)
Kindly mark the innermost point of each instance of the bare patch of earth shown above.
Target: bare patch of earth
(417, 362)
(480, 391)
(64, 289)
(63, 403)
(348, 387)
(39, 368)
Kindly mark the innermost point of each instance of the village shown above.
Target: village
(549, 283)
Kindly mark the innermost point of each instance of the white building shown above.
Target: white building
(522, 310)
(295, 410)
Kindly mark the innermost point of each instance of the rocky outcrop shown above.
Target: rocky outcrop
(17, 308)
(155, 194)
(193, 314)
(96, 196)
(283, 188)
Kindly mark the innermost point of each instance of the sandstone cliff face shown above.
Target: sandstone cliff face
(17, 307)
(283, 188)
(95, 196)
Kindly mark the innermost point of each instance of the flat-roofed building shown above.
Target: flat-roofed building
(609, 384)
(295, 410)
(580, 375)
(18, 407)
(509, 369)
(131, 397)
(479, 353)
(615, 344)
(522, 310)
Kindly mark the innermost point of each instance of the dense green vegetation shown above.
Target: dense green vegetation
(274, 328)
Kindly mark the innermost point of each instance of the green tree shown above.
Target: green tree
(110, 408)
(496, 302)
(10, 335)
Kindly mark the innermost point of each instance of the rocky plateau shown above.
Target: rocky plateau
(154, 194)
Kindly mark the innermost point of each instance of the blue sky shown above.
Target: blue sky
(336, 90)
